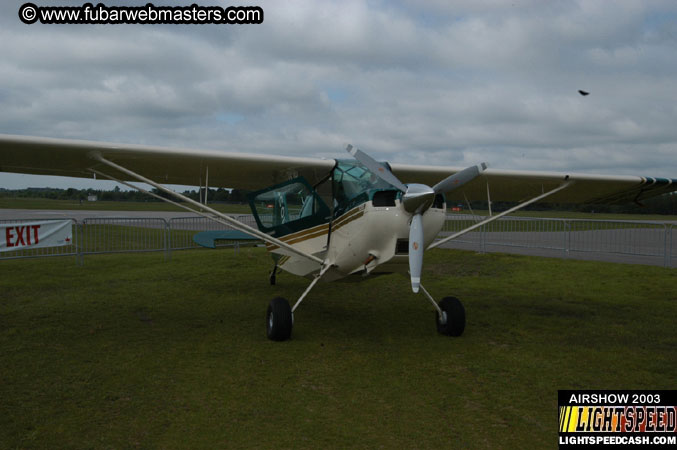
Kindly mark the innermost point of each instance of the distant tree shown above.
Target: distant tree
(221, 195)
(237, 196)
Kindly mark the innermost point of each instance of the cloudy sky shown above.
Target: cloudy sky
(429, 82)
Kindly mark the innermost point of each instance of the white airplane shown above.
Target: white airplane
(328, 219)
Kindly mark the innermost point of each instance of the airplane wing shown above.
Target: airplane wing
(518, 186)
(46, 156)
(166, 165)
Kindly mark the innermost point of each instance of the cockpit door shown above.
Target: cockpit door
(288, 207)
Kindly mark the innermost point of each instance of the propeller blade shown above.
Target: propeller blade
(376, 167)
(459, 179)
(415, 251)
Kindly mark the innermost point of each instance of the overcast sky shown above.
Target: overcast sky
(430, 82)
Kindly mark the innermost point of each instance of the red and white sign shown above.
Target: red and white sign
(43, 233)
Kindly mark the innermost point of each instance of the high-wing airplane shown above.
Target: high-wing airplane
(328, 219)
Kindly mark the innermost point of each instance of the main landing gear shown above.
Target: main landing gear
(279, 320)
(450, 318)
(280, 317)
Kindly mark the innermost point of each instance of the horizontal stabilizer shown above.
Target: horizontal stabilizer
(208, 238)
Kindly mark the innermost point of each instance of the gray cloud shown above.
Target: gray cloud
(427, 82)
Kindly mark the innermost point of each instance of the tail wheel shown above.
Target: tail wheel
(452, 322)
(279, 320)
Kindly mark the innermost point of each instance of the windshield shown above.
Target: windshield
(352, 184)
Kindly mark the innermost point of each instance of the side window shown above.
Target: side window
(288, 207)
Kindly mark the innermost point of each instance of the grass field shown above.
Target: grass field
(131, 351)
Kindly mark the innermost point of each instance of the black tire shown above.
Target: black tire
(279, 320)
(455, 317)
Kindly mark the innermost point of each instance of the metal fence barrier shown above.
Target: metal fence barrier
(121, 235)
(643, 242)
(128, 235)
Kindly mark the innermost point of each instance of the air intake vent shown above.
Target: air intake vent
(384, 198)
(402, 247)
(439, 201)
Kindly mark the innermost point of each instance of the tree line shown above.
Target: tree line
(219, 195)
(664, 204)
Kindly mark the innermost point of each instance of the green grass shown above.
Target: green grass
(131, 351)
(44, 203)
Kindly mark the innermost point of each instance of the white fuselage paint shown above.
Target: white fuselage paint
(363, 241)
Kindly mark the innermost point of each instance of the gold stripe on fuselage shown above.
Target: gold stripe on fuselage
(346, 219)
(319, 230)
(301, 235)
(283, 260)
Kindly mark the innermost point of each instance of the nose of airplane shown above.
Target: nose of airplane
(418, 198)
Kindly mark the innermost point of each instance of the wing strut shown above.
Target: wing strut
(140, 189)
(498, 216)
(489, 199)
(315, 280)
(223, 218)
(206, 183)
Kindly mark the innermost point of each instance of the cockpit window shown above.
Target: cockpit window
(288, 207)
(352, 184)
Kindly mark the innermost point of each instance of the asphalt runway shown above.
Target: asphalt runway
(651, 246)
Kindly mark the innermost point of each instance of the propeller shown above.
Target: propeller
(459, 178)
(416, 200)
(416, 251)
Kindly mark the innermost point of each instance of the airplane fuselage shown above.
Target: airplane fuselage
(365, 240)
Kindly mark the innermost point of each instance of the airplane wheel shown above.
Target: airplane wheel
(279, 320)
(453, 321)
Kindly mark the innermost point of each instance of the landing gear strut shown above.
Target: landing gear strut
(280, 317)
(272, 275)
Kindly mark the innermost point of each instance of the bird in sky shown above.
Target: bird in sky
(583, 93)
